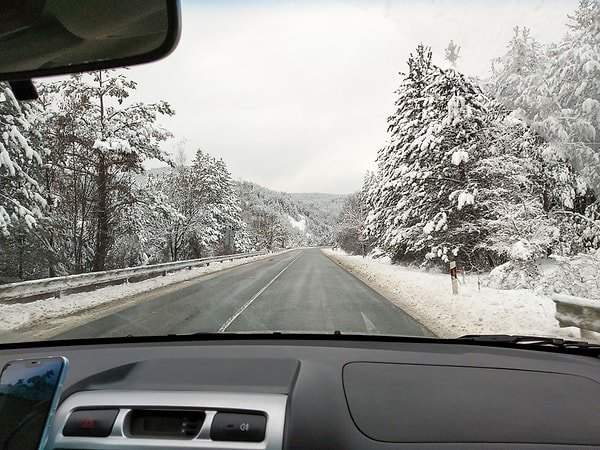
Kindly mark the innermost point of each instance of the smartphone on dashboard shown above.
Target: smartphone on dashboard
(29, 394)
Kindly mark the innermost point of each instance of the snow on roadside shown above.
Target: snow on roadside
(19, 315)
(427, 296)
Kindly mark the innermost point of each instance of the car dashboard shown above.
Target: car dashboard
(311, 392)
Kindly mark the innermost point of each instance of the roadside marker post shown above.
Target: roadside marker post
(362, 239)
(453, 277)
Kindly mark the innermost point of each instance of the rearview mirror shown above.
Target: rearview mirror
(51, 37)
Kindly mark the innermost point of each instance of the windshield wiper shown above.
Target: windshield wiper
(527, 340)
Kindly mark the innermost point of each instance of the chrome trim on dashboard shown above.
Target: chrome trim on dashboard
(273, 406)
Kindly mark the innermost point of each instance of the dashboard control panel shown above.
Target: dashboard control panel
(169, 419)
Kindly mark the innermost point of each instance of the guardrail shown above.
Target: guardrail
(579, 312)
(55, 287)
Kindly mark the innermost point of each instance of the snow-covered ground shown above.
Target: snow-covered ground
(20, 315)
(427, 296)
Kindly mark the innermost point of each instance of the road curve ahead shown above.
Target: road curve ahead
(298, 291)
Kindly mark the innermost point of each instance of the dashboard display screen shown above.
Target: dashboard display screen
(174, 424)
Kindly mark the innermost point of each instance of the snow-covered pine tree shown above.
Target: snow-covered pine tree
(20, 199)
(517, 187)
(24, 202)
(399, 162)
(556, 91)
(463, 178)
(574, 84)
(450, 192)
(423, 172)
(518, 76)
(221, 206)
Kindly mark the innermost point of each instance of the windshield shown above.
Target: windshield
(374, 167)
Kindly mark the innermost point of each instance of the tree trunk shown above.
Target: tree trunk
(102, 231)
(51, 257)
(102, 182)
(21, 268)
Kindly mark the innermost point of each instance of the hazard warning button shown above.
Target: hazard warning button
(90, 422)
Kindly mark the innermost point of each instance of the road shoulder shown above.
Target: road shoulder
(392, 295)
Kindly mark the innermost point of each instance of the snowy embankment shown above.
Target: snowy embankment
(23, 315)
(427, 296)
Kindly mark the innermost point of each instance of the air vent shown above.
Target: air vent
(165, 424)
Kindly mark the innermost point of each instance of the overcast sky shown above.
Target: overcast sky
(295, 96)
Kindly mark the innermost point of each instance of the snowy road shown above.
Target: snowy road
(301, 290)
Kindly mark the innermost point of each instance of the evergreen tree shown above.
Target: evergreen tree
(399, 162)
(20, 198)
(556, 91)
(574, 83)
(23, 203)
(423, 183)
(518, 76)
(462, 178)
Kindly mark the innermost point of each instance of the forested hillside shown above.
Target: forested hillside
(76, 198)
(279, 220)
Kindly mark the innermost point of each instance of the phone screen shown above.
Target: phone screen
(29, 391)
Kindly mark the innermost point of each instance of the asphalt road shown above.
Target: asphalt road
(298, 291)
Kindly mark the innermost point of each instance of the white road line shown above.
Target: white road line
(249, 302)
(370, 326)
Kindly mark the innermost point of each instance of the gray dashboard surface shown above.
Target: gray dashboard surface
(266, 375)
(425, 403)
(310, 372)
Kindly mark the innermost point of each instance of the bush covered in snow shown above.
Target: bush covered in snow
(576, 276)
(514, 275)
